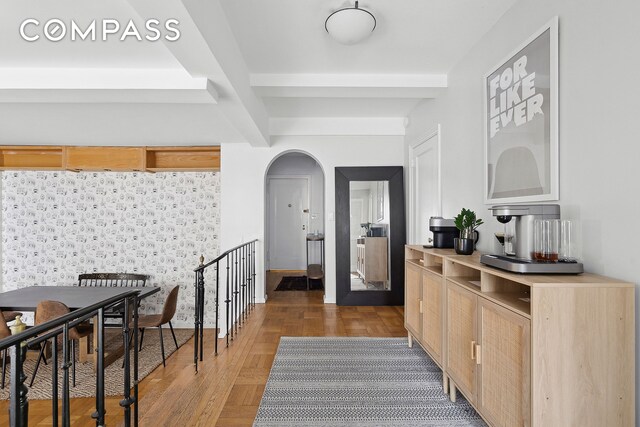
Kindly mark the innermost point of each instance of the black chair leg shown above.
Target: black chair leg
(141, 338)
(161, 345)
(4, 366)
(175, 341)
(43, 346)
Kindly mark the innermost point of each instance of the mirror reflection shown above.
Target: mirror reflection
(369, 229)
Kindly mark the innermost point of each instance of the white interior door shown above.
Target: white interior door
(288, 219)
(426, 193)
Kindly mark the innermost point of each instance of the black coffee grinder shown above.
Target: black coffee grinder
(444, 231)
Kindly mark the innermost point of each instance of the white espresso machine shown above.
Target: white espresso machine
(523, 261)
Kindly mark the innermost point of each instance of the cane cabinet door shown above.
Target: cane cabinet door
(432, 314)
(412, 302)
(504, 374)
(461, 338)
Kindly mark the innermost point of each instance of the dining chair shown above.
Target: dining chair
(115, 312)
(4, 333)
(157, 320)
(49, 310)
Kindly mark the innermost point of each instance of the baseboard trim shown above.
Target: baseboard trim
(329, 300)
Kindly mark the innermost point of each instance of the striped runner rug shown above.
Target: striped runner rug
(357, 382)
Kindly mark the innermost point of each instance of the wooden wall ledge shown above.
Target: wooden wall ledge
(73, 158)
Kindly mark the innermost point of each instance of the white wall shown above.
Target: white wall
(599, 126)
(243, 172)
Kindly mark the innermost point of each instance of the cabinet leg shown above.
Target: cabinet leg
(452, 392)
(410, 340)
(445, 383)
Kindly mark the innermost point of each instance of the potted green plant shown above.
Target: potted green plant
(467, 222)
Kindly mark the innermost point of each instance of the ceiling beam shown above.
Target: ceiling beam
(207, 48)
(333, 126)
(417, 86)
(78, 85)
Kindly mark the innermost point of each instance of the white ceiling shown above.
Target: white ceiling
(242, 70)
(411, 36)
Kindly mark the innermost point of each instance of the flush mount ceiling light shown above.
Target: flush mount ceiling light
(350, 25)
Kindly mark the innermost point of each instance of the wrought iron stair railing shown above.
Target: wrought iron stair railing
(51, 331)
(238, 265)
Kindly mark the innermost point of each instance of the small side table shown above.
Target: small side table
(315, 271)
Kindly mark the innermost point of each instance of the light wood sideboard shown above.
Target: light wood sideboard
(525, 350)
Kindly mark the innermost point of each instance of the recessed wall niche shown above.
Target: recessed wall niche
(56, 225)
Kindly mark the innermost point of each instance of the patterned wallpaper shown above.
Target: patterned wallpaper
(57, 225)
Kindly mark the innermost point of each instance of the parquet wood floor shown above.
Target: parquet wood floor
(227, 389)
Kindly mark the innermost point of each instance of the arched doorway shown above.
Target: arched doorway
(294, 225)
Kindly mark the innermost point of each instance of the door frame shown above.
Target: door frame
(397, 235)
(413, 185)
(267, 231)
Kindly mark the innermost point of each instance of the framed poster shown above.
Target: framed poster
(521, 122)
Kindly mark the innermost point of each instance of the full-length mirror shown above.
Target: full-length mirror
(369, 228)
(370, 235)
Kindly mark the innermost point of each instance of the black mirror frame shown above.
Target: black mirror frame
(395, 176)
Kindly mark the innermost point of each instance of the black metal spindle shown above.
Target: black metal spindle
(201, 312)
(234, 310)
(217, 308)
(231, 318)
(249, 278)
(126, 401)
(244, 285)
(73, 364)
(246, 269)
(227, 300)
(196, 317)
(100, 410)
(54, 381)
(66, 412)
(19, 405)
(135, 360)
(240, 319)
(253, 274)
(236, 319)
(235, 295)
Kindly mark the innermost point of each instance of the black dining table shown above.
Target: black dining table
(74, 297)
